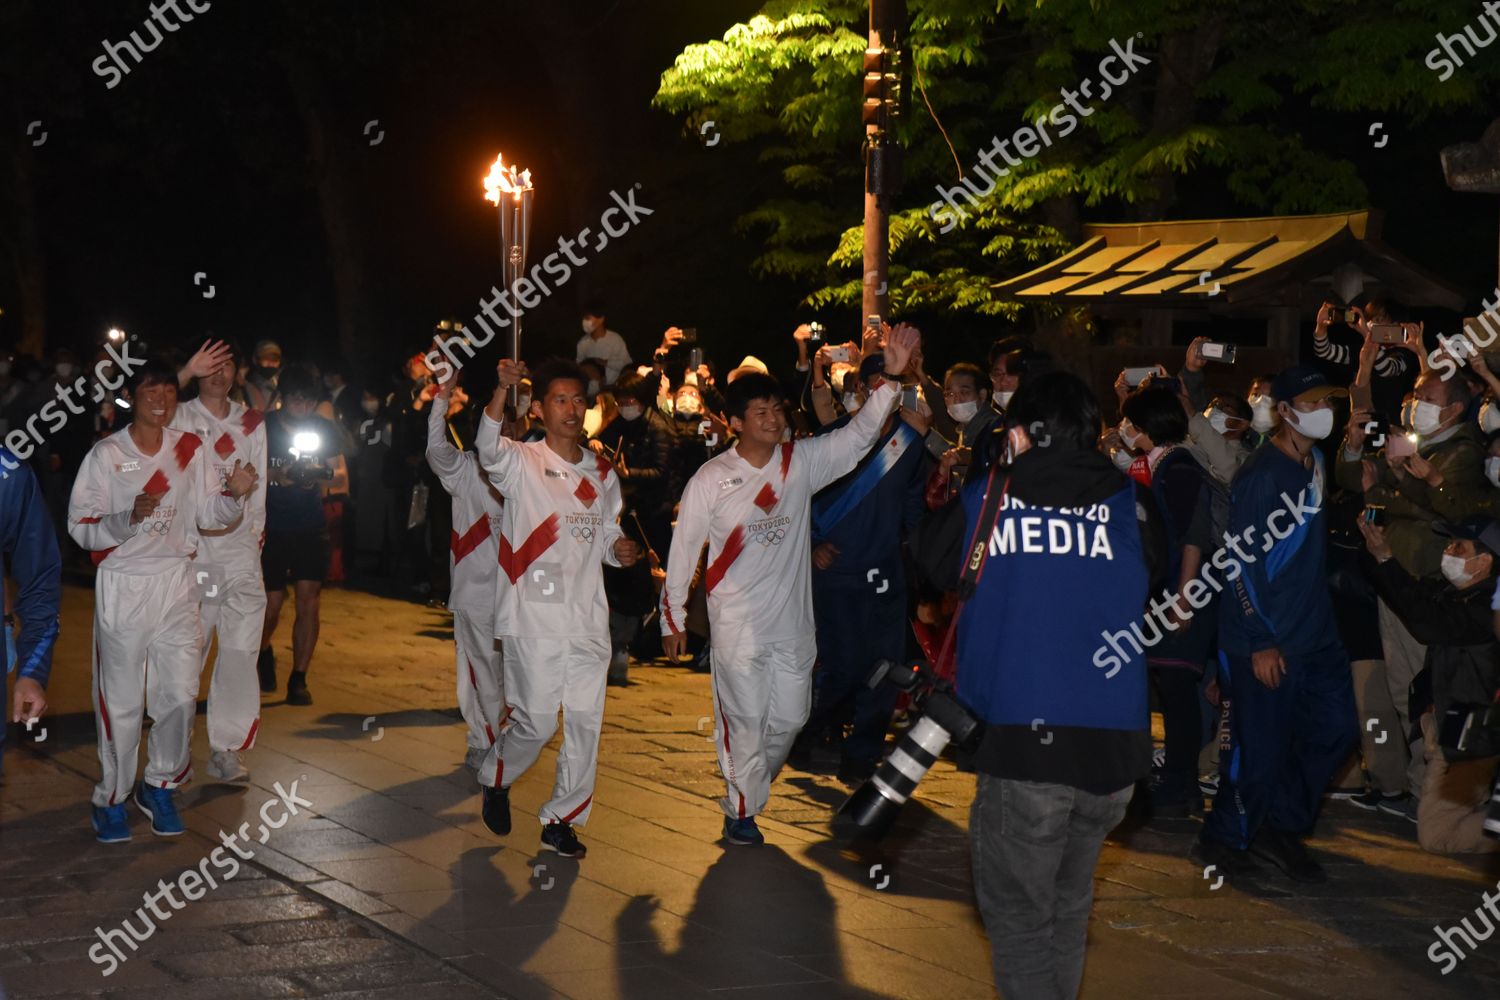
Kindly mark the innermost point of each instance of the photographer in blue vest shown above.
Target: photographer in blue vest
(1067, 548)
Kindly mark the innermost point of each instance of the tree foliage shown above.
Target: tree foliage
(1239, 102)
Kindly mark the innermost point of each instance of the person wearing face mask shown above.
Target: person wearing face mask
(1444, 479)
(1007, 361)
(690, 445)
(1292, 720)
(601, 344)
(1451, 616)
(858, 524)
(639, 443)
(265, 370)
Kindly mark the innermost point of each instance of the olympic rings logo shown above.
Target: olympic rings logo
(582, 533)
(157, 528)
(772, 537)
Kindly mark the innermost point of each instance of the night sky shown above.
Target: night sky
(199, 160)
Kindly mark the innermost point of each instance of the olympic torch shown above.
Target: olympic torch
(510, 190)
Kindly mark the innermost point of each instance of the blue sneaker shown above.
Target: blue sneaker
(743, 832)
(110, 824)
(157, 804)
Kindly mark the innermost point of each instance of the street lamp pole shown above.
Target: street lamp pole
(882, 104)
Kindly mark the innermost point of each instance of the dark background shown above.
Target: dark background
(237, 148)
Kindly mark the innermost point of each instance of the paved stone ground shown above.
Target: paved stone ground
(391, 886)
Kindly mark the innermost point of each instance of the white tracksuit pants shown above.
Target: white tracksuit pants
(234, 691)
(762, 695)
(542, 676)
(148, 655)
(481, 680)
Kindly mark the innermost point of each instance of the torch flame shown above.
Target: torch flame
(505, 179)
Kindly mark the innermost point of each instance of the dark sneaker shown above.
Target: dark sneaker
(856, 772)
(1403, 805)
(296, 689)
(743, 832)
(110, 824)
(1368, 801)
(559, 836)
(158, 806)
(1229, 861)
(266, 667)
(1289, 854)
(494, 809)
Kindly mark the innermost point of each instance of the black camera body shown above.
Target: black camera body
(872, 809)
(303, 464)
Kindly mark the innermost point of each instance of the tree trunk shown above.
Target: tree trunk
(328, 164)
(28, 257)
(1183, 63)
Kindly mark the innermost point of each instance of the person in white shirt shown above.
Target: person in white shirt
(474, 572)
(138, 503)
(561, 524)
(227, 568)
(751, 504)
(603, 344)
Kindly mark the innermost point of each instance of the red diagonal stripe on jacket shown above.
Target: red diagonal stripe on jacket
(516, 562)
(157, 484)
(250, 420)
(225, 445)
(733, 546)
(471, 539)
(187, 447)
(786, 460)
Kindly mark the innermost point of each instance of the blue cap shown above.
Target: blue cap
(1303, 384)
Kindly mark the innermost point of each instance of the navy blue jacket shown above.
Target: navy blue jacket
(29, 545)
(1279, 599)
(866, 513)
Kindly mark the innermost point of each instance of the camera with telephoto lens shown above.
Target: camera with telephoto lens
(304, 464)
(872, 809)
(1472, 731)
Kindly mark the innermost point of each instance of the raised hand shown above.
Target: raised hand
(207, 360)
(899, 345)
(510, 372)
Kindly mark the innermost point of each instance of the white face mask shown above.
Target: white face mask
(1316, 425)
(852, 402)
(590, 325)
(64, 369)
(1454, 569)
(1003, 398)
(1426, 417)
(1492, 470)
(1489, 415)
(1218, 420)
(630, 412)
(370, 406)
(1127, 434)
(1264, 415)
(963, 412)
(1122, 459)
(687, 405)
(593, 387)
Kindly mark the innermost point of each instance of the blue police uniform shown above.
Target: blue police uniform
(29, 546)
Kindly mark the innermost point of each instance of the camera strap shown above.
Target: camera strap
(974, 553)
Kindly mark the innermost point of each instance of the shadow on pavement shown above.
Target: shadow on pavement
(754, 903)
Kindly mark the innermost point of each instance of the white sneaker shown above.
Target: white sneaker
(474, 759)
(226, 765)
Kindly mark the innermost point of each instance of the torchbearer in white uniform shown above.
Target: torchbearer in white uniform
(751, 504)
(561, 524)
(474, 570)
(227, 568)
(138, 503)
